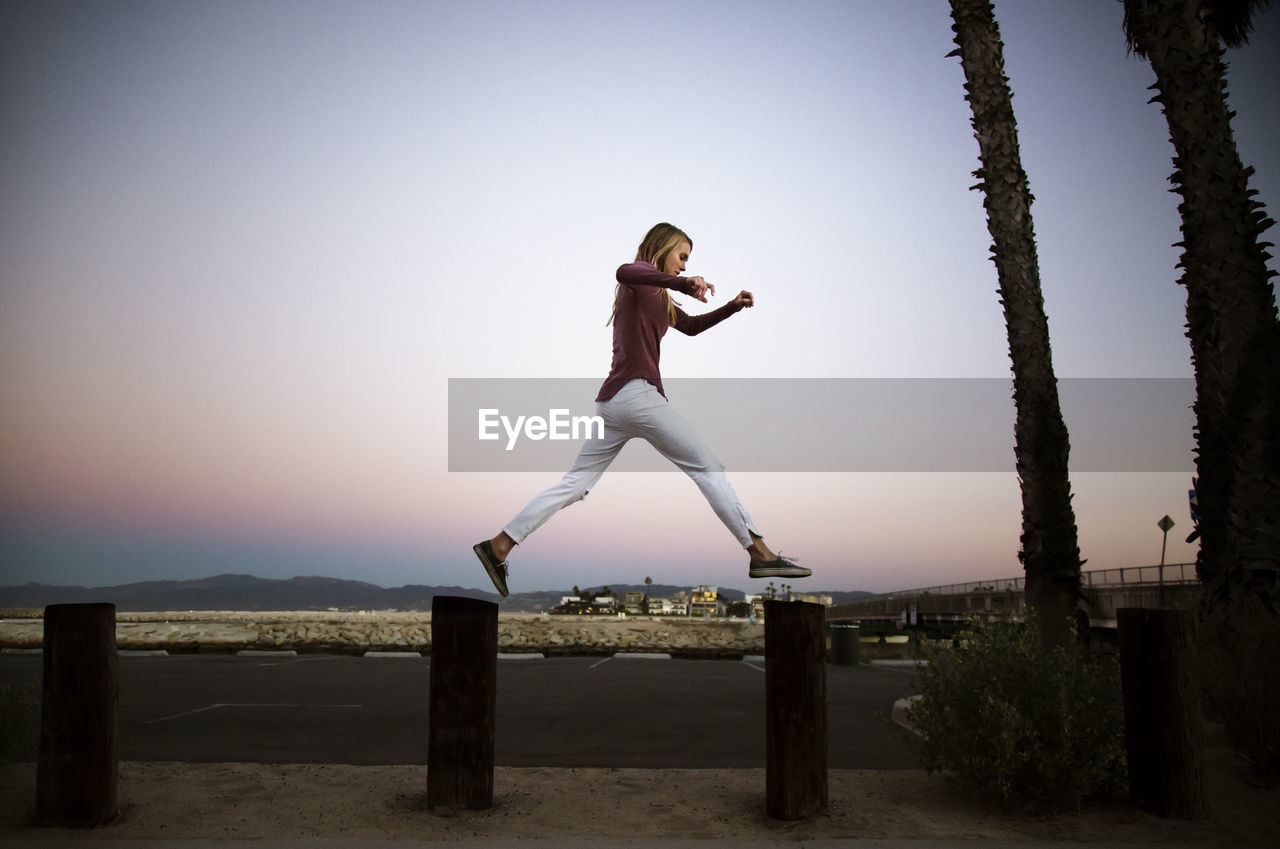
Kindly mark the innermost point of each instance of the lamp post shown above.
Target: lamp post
(1164, 525)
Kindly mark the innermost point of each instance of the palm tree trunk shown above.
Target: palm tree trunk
(1050, 553)
(1231, 306)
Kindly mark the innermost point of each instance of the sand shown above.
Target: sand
(234, 800)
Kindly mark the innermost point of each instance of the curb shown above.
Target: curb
(899, 713)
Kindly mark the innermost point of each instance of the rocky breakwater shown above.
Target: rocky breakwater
(356, 633)
(679, 636)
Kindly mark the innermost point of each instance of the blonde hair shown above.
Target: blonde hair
(658, 243)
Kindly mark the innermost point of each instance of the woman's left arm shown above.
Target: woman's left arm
(692, 325)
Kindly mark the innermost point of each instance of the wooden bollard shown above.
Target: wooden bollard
(1163, 733)
(795, 681)
(77, 766)
(463, 701)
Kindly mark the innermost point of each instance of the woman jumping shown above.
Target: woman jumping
(632, 404)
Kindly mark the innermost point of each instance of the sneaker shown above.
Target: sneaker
(497, 570)
(779, 567)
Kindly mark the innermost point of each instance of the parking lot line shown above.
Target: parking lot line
(219, 705)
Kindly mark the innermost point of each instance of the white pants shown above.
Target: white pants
(638, 409)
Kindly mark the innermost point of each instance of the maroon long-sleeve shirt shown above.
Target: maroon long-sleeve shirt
(641, 321)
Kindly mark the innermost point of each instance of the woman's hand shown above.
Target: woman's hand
(700, 288)
(744, 299)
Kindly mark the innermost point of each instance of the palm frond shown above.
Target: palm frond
(1232, 20)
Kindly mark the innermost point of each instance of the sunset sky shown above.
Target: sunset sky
(245, 245)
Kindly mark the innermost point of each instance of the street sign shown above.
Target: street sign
(1164, 524)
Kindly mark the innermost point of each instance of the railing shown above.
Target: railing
(1170, 573)
(1173, 573)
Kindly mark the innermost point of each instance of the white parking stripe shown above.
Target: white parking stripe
(239, 705)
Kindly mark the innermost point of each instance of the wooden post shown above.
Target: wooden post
(464, 675)
(795, 681)
(76, 770)
(1163, 733)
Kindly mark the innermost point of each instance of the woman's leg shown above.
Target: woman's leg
(654, 419)
(594, 457)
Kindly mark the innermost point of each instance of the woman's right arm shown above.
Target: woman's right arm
(644, 274)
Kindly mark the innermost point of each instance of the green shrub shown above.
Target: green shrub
(1028, 727)
(1239, 655)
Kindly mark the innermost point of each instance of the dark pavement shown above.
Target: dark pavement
(627, 712)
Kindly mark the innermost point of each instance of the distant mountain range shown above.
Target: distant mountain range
(245, 592)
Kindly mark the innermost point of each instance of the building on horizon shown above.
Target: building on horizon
(676, 605)
(571, 605)
(635, 603)
(705, 601)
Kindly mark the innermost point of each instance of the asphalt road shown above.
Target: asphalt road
(556, 712)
